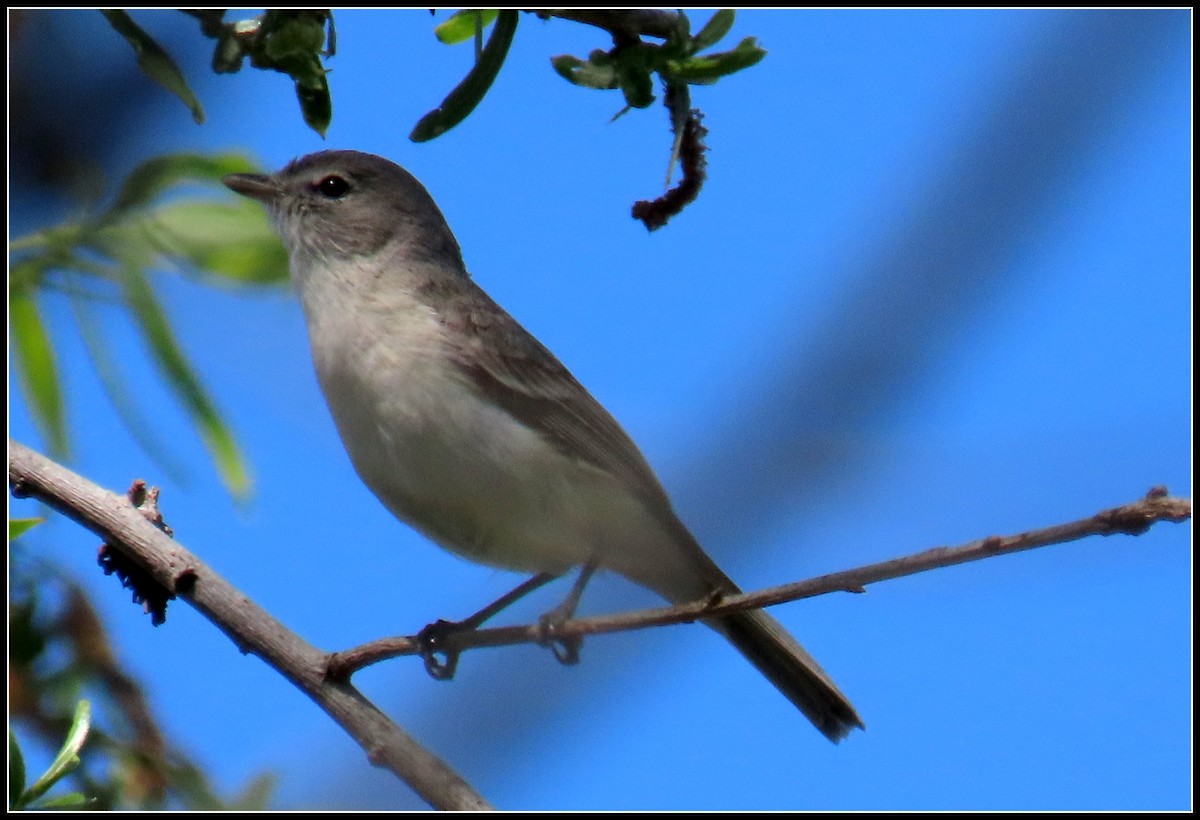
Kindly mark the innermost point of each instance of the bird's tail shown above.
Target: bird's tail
(757, 635)
(795, 673)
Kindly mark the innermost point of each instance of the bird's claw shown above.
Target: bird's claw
(432, 643)
(565, 649)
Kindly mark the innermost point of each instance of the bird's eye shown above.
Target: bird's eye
(333, 186)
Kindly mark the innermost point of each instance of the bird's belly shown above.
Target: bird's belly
(475, 480)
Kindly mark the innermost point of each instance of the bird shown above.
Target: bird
(467, 428)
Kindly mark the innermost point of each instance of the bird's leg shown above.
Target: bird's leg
(433, 637)
(565, 649)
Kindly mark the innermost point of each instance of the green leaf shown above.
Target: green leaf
(633, 75)
(716, 28)
(291, 41)
(638, 88)
(293, 34)
(154, 60)
(179, 375)
(67, 759)
(683, 27)
(27, 637)
(228, 53)
(461, 25)
(256, 795)
(64, 802)
(37, 368)
(710, 68)
(232, 240)
(466, 95)
(122, 241)
(598, 71)
(20, 526)
(156, 175)
(16, 768)
(316, 105)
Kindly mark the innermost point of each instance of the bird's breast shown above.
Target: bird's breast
(446, 460)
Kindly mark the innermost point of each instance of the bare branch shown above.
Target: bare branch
(1129, 519)
(251, 628)
(324, 676)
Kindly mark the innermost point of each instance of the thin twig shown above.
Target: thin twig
(1129, 519)
(323, 676)
(251, 628)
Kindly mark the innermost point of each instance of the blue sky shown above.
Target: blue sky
(937, 287)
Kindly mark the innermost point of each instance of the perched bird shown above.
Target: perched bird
(470, 430)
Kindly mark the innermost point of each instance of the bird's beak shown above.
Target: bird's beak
(255, 186)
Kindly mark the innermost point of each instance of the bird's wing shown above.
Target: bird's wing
(518, 373)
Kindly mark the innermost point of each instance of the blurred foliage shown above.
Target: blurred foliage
(154, 60)
(108, 255)
(66, 761)
(61, 660)
(19, 526)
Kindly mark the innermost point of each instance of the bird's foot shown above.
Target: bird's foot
(432, 642)
(565, 649)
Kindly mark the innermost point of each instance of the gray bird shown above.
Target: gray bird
(470, 430)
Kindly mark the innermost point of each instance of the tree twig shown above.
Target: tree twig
(323, 677)
(1129, 519)
(251, 628)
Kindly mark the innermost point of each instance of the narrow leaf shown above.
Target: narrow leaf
(156, 175)
(154, 60)
(710, 68)
(67, 759)
(231, 240)
(716, 28)
(19, 526)
(316, 105)
(683, 28)
(179, 375)
(636, 83)
(16, 767)
(291, 42)
(256, 795)
(37, 368)
(460, 27)
(599, 71)
(64, 802)
(466, 95)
